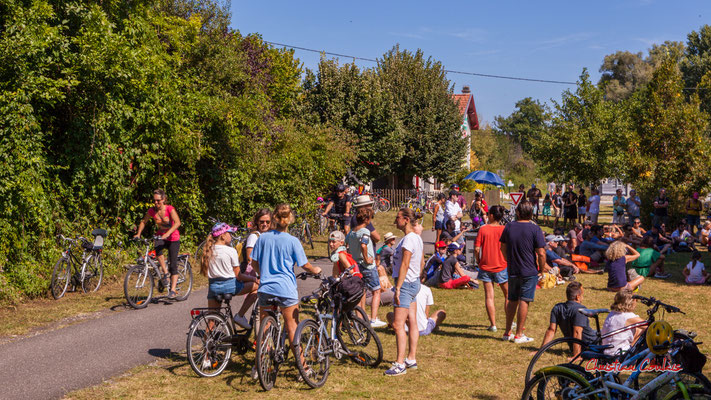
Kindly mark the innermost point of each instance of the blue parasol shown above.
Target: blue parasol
(486, 177)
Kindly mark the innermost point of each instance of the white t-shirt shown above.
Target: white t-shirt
(451, 210)
(224, 259)
(681, 235)
(251, 240)
(594, 204)
(423, 299)
(413, 243)
(621, 341)
(695, 273)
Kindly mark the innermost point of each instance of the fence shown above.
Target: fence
(399, 196)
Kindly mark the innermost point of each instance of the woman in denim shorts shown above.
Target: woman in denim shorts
(492, 264)
(407, 262)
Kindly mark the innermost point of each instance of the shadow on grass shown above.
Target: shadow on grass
(469, 335)
(485, 396)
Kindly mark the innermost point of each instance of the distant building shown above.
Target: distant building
(470, 120)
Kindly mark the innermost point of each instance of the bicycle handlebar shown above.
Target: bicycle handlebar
(655, 304)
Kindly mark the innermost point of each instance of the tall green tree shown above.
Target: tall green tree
(696, 65)
(588, 136)
(526, 123)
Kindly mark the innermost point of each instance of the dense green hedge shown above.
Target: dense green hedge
(100, 104)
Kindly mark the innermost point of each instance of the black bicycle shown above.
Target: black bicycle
(213, 336)
(302, 229)
(91, 272)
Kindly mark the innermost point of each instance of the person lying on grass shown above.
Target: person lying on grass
(426, 322)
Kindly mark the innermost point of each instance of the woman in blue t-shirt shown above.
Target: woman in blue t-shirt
(273, 257)
(617, 259)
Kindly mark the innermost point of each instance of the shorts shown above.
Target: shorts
(222, 286)
(408, 291)
(581, 211)
(371, 278)
(282, 302)
(522, 288)
(439, 225)
(693, 220)
(431, 323)
(496, 277)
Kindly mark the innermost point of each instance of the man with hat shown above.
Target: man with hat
(364, 201)
(566, 267)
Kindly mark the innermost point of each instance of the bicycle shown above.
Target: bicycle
(302, 230)
(139, 282)
(560, 382)
(213, 335)
(560, 351)
(91, 272)
(271, 345)
(333, 332)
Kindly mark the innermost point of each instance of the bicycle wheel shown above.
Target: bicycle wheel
(138, 286)
(360, 340)
(385, 205)
(60, 278)
(358, 312)
(561, 384)
(688, 378)
(208, 345)
(312, 346)
(555, 352)
(322, 225)
(695, 393)
(307, 235)
(185, 279)
(93, 274)
(267, 347)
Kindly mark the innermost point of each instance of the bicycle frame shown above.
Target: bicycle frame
(73, 260)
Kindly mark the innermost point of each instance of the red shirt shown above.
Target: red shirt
(165, 223)
(355, 271)
(491, 259)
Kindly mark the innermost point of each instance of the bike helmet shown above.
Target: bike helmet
(340, 187)
(660, 333)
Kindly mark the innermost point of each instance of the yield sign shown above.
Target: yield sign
(516, 197)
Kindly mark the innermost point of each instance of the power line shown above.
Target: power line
(515, 78)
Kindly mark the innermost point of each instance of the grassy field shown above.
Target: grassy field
(461, 360)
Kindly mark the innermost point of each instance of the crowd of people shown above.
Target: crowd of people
(516, 256)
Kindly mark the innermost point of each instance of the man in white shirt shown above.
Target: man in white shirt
(453, 211)
(594, 206)
(426, 323)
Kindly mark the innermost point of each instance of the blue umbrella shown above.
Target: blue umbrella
(485, 177)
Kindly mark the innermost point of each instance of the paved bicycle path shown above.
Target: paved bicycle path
(50, 364)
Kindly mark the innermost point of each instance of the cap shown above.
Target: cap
(336, 236)
(453, 246)
(389, 236)
(362, 200)
(440, 244)
(221, 228)
(554, 238)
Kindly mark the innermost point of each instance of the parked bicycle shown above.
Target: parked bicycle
(88, 273)
(141, 277)
(336, 331)
(213, 336)
(301, 229)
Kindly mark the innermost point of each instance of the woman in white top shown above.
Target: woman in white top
(262, 222)
(220, 263)
(695, 272)
(407, 262)
(621, 315)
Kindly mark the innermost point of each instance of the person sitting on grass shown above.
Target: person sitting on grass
(650, 261)
(384, 255)
(450, 267)
(592, 247)
(621, 315)
(432, 270)
(637, 229)
(682, 239)
(661, 243)
(449, 235)
(617, 260)
(426, 322)
(704, 233)
(694, 272)
(566, 268)
(571, 322)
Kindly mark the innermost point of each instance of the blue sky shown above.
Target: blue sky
(551, 40)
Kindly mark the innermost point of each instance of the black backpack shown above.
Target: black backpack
(348, 292)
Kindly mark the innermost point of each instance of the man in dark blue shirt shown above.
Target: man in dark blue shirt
(523, 247)
(571, 322)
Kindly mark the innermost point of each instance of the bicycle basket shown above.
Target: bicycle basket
(690, 357)
(348, 292)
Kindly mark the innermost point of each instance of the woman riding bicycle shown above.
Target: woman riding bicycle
(274, 255)
(220, 263)
(167, 223)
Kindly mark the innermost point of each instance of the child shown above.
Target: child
(450, 267)
(430, 274)
(547, 208)
(361, 248)
(694, 272)
(340, 257)
(384, 255)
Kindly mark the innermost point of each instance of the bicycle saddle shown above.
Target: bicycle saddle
(273, 301)
(600, 356)
(226, 297)
(592, 313)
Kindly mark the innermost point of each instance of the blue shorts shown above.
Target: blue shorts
(282, 302)
(222, 286)
(371, 278)
(693, 220)
(439, 225)
(408, 291)
(522, 288)
(496, 277)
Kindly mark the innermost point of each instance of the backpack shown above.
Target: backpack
(348, 292)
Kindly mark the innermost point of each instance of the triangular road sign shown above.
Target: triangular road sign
(516, 197)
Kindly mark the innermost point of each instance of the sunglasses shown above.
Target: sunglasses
(265, 222)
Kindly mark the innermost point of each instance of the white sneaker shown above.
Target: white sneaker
(377, 323)
(254, 374)
(242, 321)
(508, 338)
(522, 339)
(491, 328)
